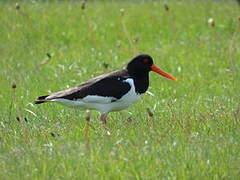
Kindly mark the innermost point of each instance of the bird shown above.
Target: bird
(113, 91)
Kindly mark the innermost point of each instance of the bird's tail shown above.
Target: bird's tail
(41, 99)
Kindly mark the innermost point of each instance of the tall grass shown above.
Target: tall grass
(193, 131)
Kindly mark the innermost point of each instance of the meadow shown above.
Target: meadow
(193, 130)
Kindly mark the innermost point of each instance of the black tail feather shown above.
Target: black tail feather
(40, 100)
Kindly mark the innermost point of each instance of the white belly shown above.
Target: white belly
(104, 104)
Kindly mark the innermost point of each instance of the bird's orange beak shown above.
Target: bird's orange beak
(161, 72)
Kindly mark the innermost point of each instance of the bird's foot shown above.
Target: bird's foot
(103, 118)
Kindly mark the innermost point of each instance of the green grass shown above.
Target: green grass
(195, 130)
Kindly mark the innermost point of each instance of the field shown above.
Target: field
(194, 132)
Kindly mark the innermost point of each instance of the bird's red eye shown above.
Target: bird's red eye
(145, 61)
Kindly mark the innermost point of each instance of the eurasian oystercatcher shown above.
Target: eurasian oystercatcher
(110, 92)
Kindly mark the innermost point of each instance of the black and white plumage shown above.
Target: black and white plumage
(110, 92)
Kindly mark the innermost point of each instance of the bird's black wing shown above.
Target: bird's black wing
(111, 85)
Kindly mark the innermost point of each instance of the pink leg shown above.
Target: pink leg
(88, 116)
(103, 118)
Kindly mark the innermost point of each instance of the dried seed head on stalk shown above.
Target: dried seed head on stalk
(105, 65)
(166, 7)
(211, 22)
(14, 85)
(150, 113)
(122, 11)
(83, 6)
(18, 119)
(49, 55)
(54, 134)
(17, 6)
(136, 39)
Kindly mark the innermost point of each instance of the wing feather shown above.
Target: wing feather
(110, 86)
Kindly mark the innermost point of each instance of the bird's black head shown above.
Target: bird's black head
(140, 65)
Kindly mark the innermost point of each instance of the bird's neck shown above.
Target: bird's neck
(141, 84)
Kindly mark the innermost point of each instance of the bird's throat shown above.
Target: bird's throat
(141, 84)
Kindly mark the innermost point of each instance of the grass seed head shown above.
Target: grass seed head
(18, 119)
(150, 113)
(49, 55)
(136, 39)
(83, 6)
(211, 22)
(105, 65)
(166, 7)
(54, 134)
(17, 6)
(14, 85)
(122, 11)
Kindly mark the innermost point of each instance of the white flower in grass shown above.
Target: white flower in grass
(48, 145)
(174, 144)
